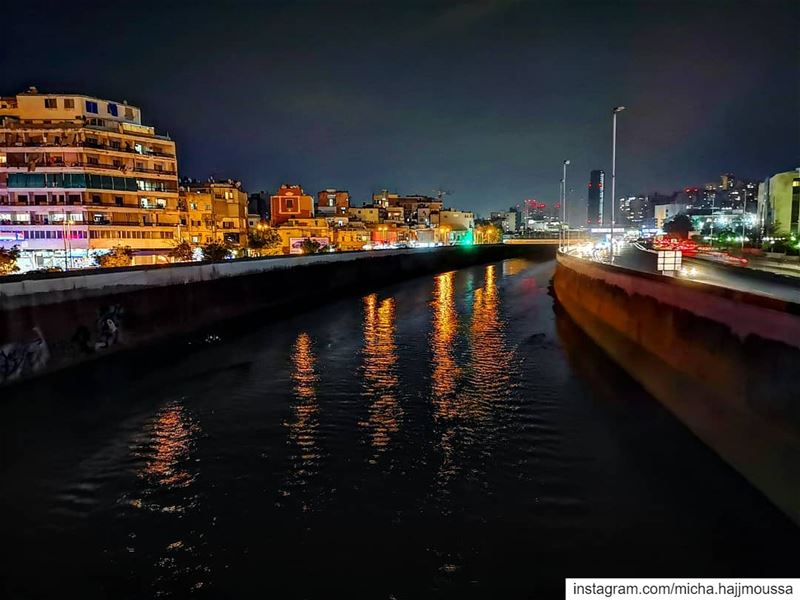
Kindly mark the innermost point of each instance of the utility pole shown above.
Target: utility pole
(564, 205)
(617, 109)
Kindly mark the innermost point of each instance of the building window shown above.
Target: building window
(112, 110)
(91, 107)
(51, 103)
(129, 114)
(69, 103)
(118, 200)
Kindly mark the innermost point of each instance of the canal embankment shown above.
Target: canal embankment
(53, 321)
(721, 360)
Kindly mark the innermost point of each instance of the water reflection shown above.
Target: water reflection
(445, 374)
(170, 472)
(170, 439)
(443, 334)
(380, 378)
(303, 428)
(490, 364)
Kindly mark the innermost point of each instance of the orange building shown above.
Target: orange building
(290, 202)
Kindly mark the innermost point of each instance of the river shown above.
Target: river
(448, 436)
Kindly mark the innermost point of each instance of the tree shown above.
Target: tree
(494, 233)
(680, 225)
(118, 256)
(216, 252)
(182, 252)
(263, 240)
(8, 260)
(309, 246)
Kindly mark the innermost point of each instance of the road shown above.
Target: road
(710, 273)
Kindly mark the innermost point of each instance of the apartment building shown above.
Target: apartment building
(79, 175)
(290, 202)
(215, 211)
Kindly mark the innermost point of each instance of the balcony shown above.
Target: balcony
(25, 144)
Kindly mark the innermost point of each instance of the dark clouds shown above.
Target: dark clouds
(483, 98)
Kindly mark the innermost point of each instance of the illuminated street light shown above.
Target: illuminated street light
(617, 109)
(564, 232)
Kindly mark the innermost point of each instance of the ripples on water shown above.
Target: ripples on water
(446, 436)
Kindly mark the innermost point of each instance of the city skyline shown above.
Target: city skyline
(485, 100)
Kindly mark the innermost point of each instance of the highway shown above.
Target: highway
(783, 288)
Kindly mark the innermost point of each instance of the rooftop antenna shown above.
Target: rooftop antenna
(440, 194)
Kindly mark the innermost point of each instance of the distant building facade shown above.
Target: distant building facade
(507, 219)
(290, 202)
(594, 204)
(635, 210)
(217, 212)
(332, 202)
(779, 203)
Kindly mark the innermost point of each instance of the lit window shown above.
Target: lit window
(91, 107)
(69, 103)
(129, 114)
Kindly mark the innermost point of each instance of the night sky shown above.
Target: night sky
(484, 99)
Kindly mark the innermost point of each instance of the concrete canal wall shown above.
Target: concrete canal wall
(724, 362)
(53, 321)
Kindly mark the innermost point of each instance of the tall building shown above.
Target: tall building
(594, 205)
(216, 210)
(79, 175)
(290, 202)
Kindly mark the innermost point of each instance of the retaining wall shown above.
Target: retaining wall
(53, 321)
(724, 362)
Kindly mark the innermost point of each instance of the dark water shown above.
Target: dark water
(452, 436)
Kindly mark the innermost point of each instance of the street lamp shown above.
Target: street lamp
(70, 223)
(64, 227)
(564, 205)
(617, 109)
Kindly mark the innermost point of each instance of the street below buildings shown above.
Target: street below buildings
(738, 278)
(450, 436)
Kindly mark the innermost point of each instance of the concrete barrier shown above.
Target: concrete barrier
(47, 323)
(722, 361)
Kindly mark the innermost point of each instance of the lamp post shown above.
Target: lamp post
(617, 109)
(564, 205)
(64, 227)
(70, 223)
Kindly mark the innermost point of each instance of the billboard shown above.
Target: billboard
(669, 260)
(295, 244)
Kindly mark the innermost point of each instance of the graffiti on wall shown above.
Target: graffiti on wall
(22, 358)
